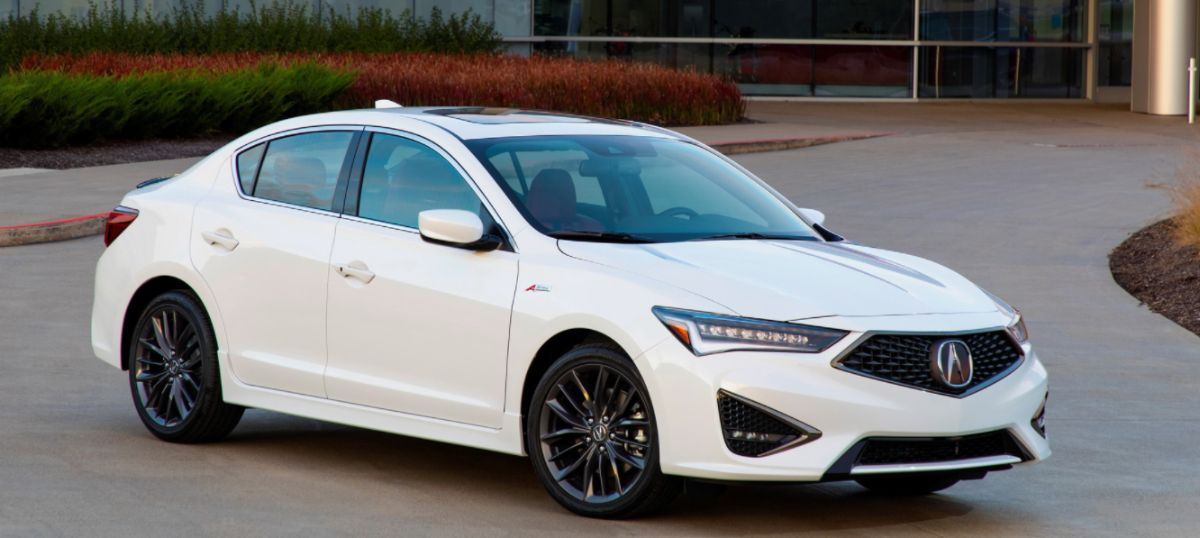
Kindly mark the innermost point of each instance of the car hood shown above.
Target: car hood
(791, 280)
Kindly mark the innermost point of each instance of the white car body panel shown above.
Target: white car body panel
(397, 342)
(297, 337)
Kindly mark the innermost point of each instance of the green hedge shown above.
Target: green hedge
(42, 109)
(281, 26)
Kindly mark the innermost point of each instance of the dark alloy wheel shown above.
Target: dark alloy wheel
(909, 485)
(591, 436)
(173, 372)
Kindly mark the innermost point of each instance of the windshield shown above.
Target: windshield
(634, 189)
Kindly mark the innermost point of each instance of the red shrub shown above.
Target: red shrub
(636, 91)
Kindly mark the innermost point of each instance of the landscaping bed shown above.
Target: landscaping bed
(59, 100)
(1164, 274)
(111, 75)
(105, 153)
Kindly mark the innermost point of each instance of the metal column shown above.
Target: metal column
(1164, 39)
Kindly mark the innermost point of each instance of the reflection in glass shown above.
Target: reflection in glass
(1003, 20)
(980, 72)
(767, 69)
(1115, 34)
(863, 19)
(763, 19)
(855, 71)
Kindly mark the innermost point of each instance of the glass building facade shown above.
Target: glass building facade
(846, 48)
(925, 49)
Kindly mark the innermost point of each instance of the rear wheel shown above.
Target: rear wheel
(173, 373)
(591, 436)
(908, 485)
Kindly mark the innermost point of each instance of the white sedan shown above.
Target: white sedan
(619, 302)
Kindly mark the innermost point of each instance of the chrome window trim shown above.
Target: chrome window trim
(237, 183)
(836, 363)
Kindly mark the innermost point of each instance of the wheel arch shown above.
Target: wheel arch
(550, 351)
(145, 293)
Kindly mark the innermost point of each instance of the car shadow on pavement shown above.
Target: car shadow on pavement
(474, 480)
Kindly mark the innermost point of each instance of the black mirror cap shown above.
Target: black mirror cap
(826, 234)
(487, 243)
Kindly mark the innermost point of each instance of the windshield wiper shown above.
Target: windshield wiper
(609, 237)
(754, 235)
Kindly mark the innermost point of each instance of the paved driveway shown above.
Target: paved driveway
(1026, 204)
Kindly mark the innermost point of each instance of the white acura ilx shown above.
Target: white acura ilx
(619, 302)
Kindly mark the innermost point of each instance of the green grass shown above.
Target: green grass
(41, 109)
(281, 26)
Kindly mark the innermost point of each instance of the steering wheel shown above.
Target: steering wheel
(680, 211)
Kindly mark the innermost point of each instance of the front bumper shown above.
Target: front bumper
(847, 408)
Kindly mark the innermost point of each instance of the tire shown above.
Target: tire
(597, 462)
(908, 485)
(173, 361)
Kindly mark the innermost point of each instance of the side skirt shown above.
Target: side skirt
(506, 440)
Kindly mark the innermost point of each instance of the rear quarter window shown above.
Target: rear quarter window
(247, 167)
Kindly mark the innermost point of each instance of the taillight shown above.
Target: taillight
(118, 220)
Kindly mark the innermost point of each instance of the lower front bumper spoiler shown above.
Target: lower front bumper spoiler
(958, 465)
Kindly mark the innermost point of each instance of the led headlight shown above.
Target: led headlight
(1017, 329)
(706, 333)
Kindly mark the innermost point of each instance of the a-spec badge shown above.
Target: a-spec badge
(537, 287)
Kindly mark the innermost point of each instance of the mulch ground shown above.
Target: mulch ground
(117, 152)
(1161, 274)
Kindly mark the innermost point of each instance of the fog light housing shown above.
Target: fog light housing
(1039, 418)
(754, 430)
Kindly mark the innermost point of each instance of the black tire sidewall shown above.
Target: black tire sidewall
(190, 308)
(636, 498)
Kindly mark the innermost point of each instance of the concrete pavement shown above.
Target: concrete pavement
(1027, 201)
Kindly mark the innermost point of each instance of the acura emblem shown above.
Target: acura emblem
(951, 363)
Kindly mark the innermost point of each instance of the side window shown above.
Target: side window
(303, 169)
(402, 178)
(247, 166)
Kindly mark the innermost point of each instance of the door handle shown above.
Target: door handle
(221, 238)
(356, 269)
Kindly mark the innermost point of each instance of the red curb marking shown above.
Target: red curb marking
(55, 222)
(791, 139)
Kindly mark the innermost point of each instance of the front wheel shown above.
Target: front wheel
(591, 435)
(173, 372)
(908, 485)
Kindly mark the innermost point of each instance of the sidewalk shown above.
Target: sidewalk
(61, 194)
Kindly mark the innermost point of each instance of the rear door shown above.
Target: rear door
(414, 326)
(262, 244)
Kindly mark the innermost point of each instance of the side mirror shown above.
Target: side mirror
(813, 216)
(455, 228)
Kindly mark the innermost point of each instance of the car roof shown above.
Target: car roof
(473, 122)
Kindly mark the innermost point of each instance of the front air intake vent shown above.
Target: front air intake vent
(754, 430)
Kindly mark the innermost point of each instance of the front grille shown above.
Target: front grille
(904, 359)
(885, 451)
(753, 431)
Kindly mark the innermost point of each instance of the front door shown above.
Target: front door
(414, 326)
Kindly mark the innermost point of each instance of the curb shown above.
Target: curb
(784, 144)
(55, 230)
(87, 225)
